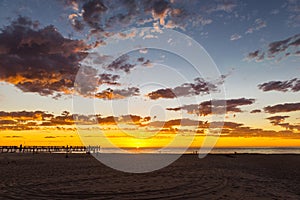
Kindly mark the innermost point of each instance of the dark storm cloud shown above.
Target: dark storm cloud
(286, 107)
(282, 86)
(280, 49)
(110, 94)
(215, 106)
(39, 60)
(255, 111)
(199, 87)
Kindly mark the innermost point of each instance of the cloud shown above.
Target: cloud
(160, 10)
(280, 49)
(199, 87)
(255, 111)
(71, 3)
(289, 126)
(235, 37)
(102, 17)
(226, 6)
(175, 122)
(42, 61)
(146, 63)
(37, 120)
(143, 51)
(124, 119)
(110, 120)
(286, 107)
(110, 94)
(293, 10)
(134, 120)
(39, 60)
(109, 79)
(204, 21)
(22, 120)
(253, 54)
(280, 46)
(50, 136)
(25, 115)
(292, 85)
(92, 13)
(121, 64)
(258, 24)
(215, 106)
(8, 122)
(77, 24)
(275, 120)
(225, 125)
(28, 120)
(278, 121)
(105, 18)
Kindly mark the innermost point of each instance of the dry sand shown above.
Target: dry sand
(52, 176)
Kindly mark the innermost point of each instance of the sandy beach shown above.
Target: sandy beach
(81, 176)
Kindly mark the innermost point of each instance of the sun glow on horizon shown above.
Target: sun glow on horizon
(117, 139)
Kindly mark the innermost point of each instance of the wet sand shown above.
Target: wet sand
(81, 176)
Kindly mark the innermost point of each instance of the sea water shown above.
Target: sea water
(239, 150)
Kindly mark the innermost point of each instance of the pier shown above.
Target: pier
(50, 149)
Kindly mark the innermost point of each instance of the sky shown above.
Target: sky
(150, 73)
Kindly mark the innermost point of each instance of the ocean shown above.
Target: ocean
(239, 150)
